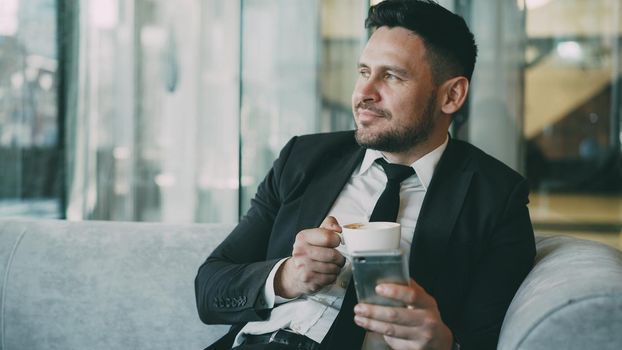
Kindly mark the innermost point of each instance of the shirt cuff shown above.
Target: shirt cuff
(269, 297)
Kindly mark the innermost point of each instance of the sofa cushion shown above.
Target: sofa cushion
(103, 285)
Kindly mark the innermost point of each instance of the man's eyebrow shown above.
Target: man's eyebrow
(388, 68)
(399, 70)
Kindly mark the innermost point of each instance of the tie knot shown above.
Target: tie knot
(395, 172)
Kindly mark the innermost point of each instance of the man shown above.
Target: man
(280, 279)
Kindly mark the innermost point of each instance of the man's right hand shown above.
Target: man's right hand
(314, 264)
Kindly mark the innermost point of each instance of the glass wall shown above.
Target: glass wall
(572, 116)
(298, 70)
(31, 172)
(279, 84)
(179, 108)
(156, 110)
(546, 100)
(154, 133)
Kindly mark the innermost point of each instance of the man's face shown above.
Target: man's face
(394, 99)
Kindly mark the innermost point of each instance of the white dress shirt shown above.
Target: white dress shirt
(312, 315)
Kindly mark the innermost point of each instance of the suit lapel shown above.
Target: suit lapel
(327, 184)
(440, 209)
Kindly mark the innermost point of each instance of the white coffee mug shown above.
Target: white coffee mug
(371, 236)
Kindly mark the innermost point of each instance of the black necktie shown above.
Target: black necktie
(345, 333)
(388, 204)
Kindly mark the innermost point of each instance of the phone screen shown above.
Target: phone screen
(375, 267)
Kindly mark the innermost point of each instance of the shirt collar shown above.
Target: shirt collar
(424, 166)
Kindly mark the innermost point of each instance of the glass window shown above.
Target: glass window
(155, 131)
(572, 116)
(178, 109)
(30, 150)
(298, 70)
(546, 101)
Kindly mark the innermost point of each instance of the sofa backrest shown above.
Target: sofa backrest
(102, 285)
(112, 285)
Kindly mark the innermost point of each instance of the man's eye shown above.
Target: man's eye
(390, 77)
(364, 73)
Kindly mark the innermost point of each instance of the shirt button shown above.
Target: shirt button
(343, 284)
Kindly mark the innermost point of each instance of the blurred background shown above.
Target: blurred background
(173, 111)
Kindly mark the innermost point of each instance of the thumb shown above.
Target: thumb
(330, 223)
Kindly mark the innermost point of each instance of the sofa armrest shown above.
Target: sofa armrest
(572, 298)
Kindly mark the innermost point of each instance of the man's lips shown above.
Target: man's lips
(368, 115)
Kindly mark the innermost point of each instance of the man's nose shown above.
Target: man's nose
(367, 91)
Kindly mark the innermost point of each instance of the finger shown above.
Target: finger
(319, 237)
(315, 281)
(389, 329)
(395, 315)
(320, 267)
(399, 343)
(320, 254)
(331, 223)
(413, 295)
(422, 338)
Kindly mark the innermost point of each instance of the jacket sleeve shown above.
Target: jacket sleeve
(230, 281)
(508, 257)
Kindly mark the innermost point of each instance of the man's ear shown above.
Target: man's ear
(453, 94)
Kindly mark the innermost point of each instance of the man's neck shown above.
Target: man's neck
(410, 156)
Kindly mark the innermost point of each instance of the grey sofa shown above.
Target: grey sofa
(109, 285)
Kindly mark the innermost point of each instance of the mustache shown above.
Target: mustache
(369, 106)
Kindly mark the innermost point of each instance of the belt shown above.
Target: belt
(281, 336)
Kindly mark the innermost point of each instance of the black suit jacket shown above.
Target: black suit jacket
(472, 246)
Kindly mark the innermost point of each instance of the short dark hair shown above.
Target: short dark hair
(449, 42)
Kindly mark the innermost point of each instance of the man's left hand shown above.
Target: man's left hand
(417, 326)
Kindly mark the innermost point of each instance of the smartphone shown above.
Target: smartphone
(371, 268)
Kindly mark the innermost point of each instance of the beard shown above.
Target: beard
(398, 138)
